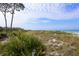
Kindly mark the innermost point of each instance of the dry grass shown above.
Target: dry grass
(70, 42)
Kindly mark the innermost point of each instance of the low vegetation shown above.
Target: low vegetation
(58, 43)
(21, 42)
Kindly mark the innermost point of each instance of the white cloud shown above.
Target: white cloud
(53, 11)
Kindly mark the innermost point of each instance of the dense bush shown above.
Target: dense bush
(21, 45)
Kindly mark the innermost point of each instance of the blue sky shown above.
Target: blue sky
(46, 16)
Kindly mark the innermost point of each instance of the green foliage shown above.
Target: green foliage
(21, 45)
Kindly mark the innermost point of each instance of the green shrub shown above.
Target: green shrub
(22, 45)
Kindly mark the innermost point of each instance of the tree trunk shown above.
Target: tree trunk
(12, 21)
(12, 16)
(5, 22)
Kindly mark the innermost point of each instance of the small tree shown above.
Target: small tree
(15, 7)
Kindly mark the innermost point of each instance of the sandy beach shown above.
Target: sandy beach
(75, 33)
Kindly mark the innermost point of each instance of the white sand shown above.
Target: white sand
(75, 33)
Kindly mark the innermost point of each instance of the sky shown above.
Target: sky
(45, 16)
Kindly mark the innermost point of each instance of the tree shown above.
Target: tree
(15, 7)
(4, 8)
(10, 7)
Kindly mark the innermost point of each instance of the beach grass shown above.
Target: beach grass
(39, 42)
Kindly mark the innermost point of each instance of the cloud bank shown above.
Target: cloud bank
(54, 11)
